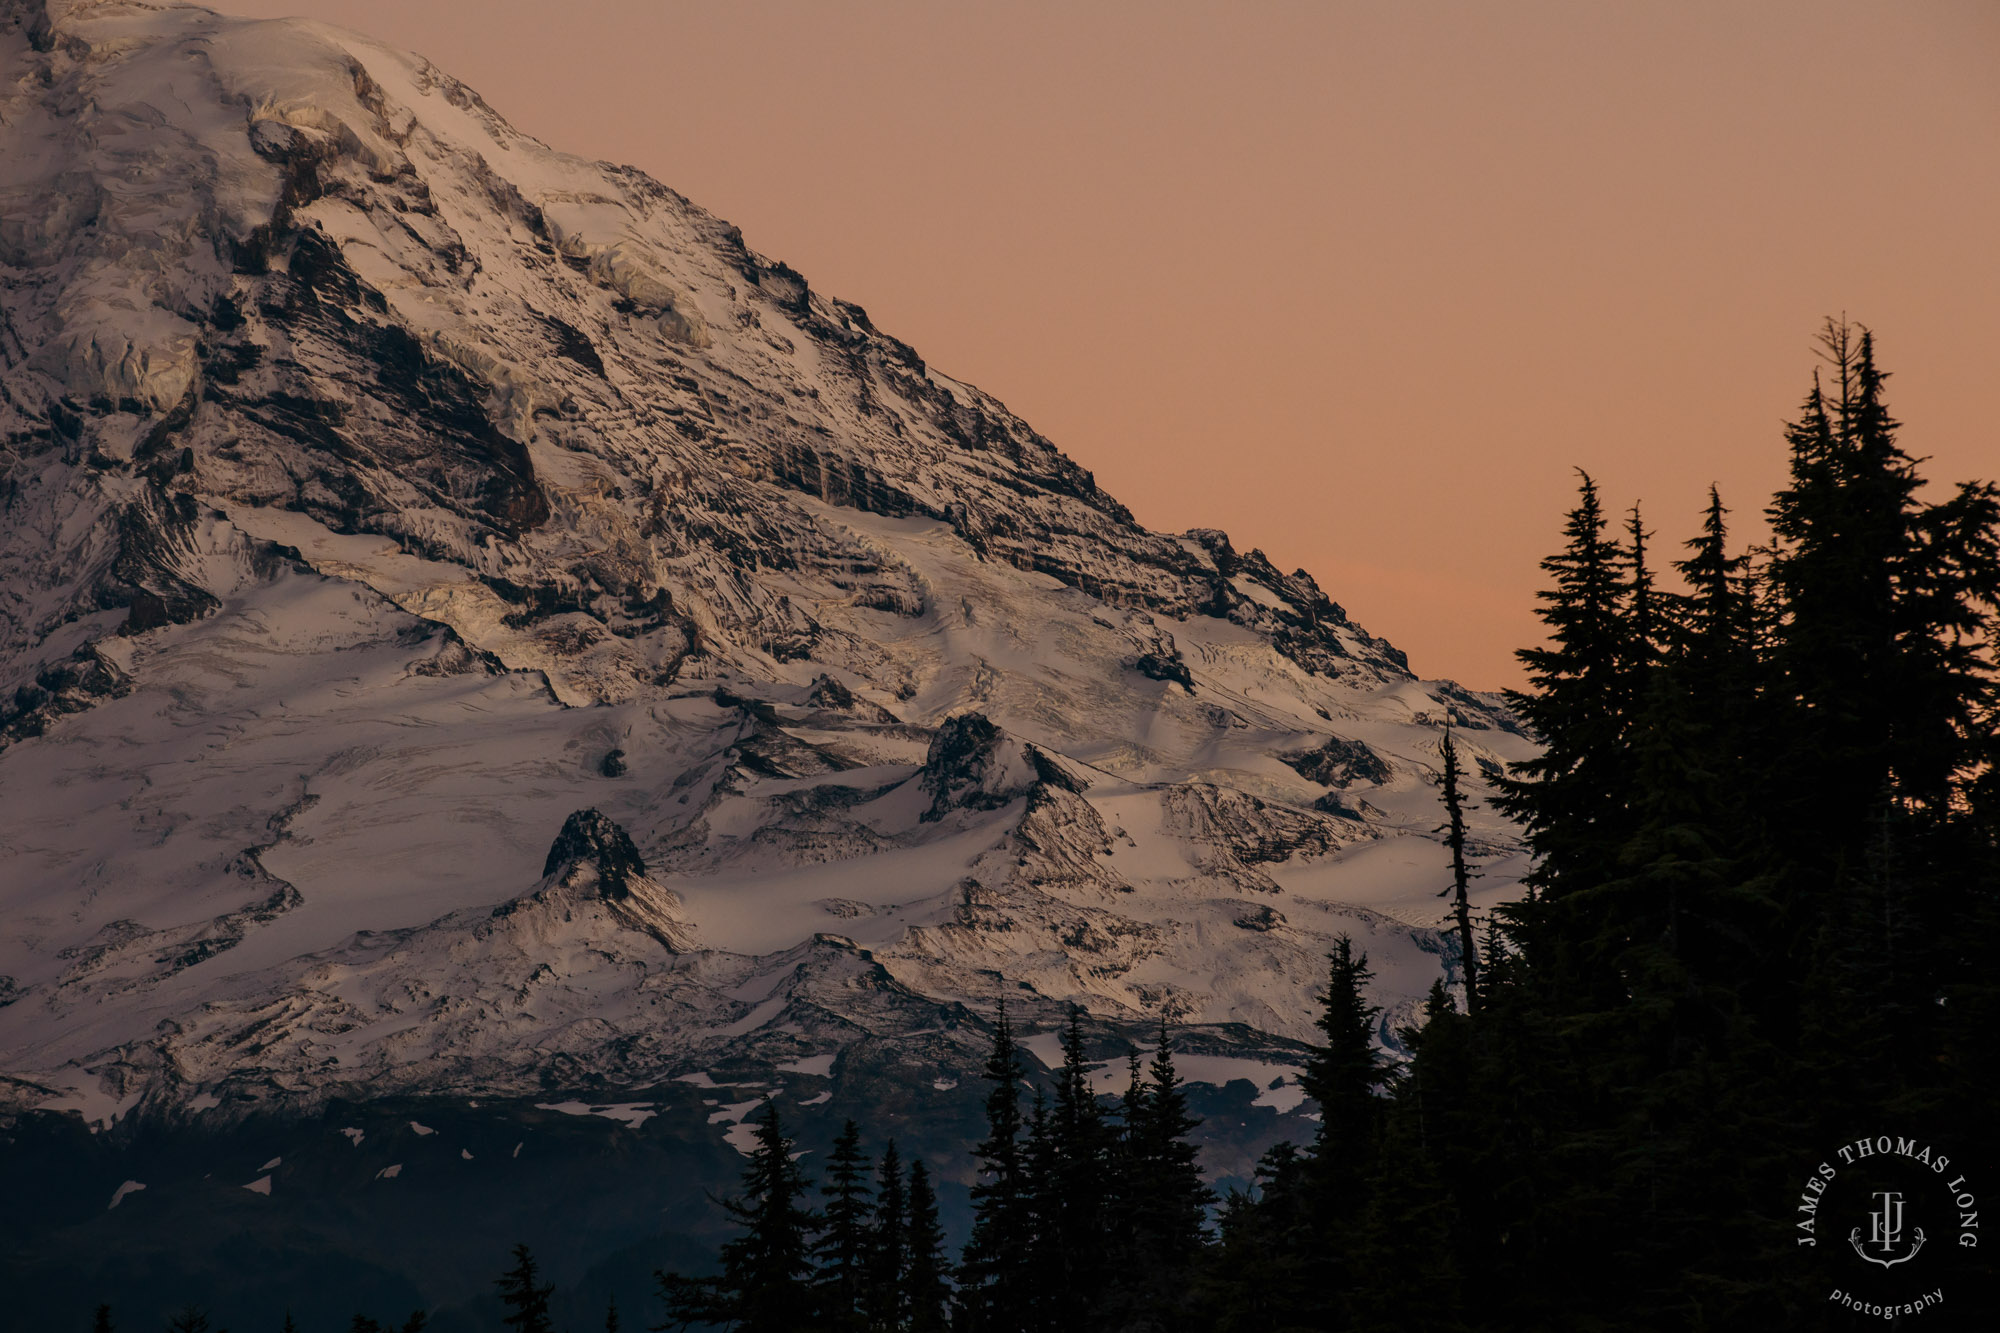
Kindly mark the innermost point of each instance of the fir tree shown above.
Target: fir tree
(1343, 1075)
(764, 1286)
(885, 1294)
(1461, 874)
(843, 1246)
(1570, 800)
(1407, 1240)
(189, 1319)
(1045, 1297)
(927, 1278)
(611, 1317)
(1263, 1274)
(1166, 1216)
(996, 1278)
(101, 1323)
(1345, 1072)
(526, 1298)
(1076, 1182)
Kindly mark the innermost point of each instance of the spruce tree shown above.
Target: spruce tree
(1076, 1184)
(1344, 1073)
(765, 1284)
(101, 1322)
(885, 1294)
(927, 1296)
(1265, 1274)
(1461, 874)
(1574, 705)
(1166, 1219)
(843, 1247)
(1044, 1281)
(1407, 1241)
(996, 1280)
(526, 1298)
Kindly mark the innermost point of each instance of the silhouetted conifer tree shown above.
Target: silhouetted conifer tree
(765, 1284)
(1461, 873)
(1075, 1184)
(524, 1295)
(995, 1277)
(885, 1294)
(843, 1247)
(927, 1280)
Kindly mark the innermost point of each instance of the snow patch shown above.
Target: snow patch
(630, 1114)
(261, 1185)
(118, 1195)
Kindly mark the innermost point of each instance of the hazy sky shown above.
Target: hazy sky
(1359, 282)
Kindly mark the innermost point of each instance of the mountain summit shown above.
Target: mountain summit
(469, 622)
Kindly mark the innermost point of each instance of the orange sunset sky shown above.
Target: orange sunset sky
(1359, 282)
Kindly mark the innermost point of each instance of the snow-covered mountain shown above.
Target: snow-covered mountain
(469, 624)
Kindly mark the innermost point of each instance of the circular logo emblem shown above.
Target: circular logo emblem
(1889, 1221)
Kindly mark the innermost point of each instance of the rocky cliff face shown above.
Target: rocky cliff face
(468, 620)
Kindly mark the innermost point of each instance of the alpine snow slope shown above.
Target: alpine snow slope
(471, 627)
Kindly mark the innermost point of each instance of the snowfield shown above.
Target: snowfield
(467, 620)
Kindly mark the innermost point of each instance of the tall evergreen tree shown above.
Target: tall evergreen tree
(1571, 798)
(524, 1295)
(1344, 1075)
(1461, 873)
(1076, 1185)
(927, 1279)
(1407, 1240)
(1166, 1216)
(885, 1295)
(1345, 1072)
(995, 1276)
(765, 1284)
(843, 1246)
(1263, 1274)
(101, 1322)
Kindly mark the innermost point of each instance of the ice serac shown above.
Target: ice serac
(382, 491)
